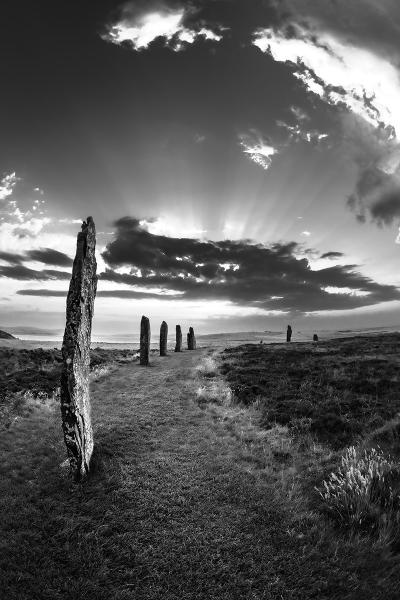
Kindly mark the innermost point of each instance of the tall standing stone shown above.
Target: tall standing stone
(163, 338)
(178, 344)
(288, 333)
(74, 390)
(191, 340)
(145, 334)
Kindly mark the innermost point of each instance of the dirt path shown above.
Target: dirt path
(174, 508)
(199, 522)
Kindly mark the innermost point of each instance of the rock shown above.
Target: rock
(288, 333)
(178, 344)
(191, 340)
(6, 336)
(74, 391)
(315, 338)
(145, 335)
(163, 338)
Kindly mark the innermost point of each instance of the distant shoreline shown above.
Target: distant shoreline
(219, 340)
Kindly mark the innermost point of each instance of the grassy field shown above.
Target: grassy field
(193, 495)
(345, 388)
(334, 407)
(32, 376)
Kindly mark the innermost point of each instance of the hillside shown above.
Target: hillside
(6, 336)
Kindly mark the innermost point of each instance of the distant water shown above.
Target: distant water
(225, 340)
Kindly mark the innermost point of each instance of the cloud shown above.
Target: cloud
(332, 255)
(257, 148)
(241, 272)
(335, 71)
(378, 194)
(347, 54)
(140, 26)
(122, 294)
(300, 132)
(7, 184)
(364, 23)
(23, 273)
(43, 292)
(22, 215)
(49, 256)
(11, 258)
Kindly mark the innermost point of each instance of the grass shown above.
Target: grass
(334, 407)
(346, 388)
(28, 377)
(186, 500)
(364, 494)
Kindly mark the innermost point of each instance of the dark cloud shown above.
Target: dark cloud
(48, 256)
(13, 259)
(377, 195)
(242, 272)
(124, 294)
(43, 292)
(332, 255)
(23, 273)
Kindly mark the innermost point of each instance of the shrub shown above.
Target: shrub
(208, 367)
(216, 393)
(364, 493)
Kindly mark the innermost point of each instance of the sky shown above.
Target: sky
(240, 159)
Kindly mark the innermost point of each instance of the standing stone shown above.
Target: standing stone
(315, 337)
(74, 390)
(145, 334)
(178, 344)
(163, 338)
(191, 340)
(288, 333)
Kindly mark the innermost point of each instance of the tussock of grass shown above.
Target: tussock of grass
(364, 493)
(211, 388)
(207, 367)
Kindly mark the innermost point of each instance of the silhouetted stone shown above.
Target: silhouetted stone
(145, 335)
(191, 339)
(178, 344)
(288, 333)
(163, 338)
(74, 390)
(315, 338)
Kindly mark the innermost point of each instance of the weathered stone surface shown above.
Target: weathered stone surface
(288, 333)
(145, 335)
(178, 343)
(163, 338)
(191, 339)
(74, 391)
